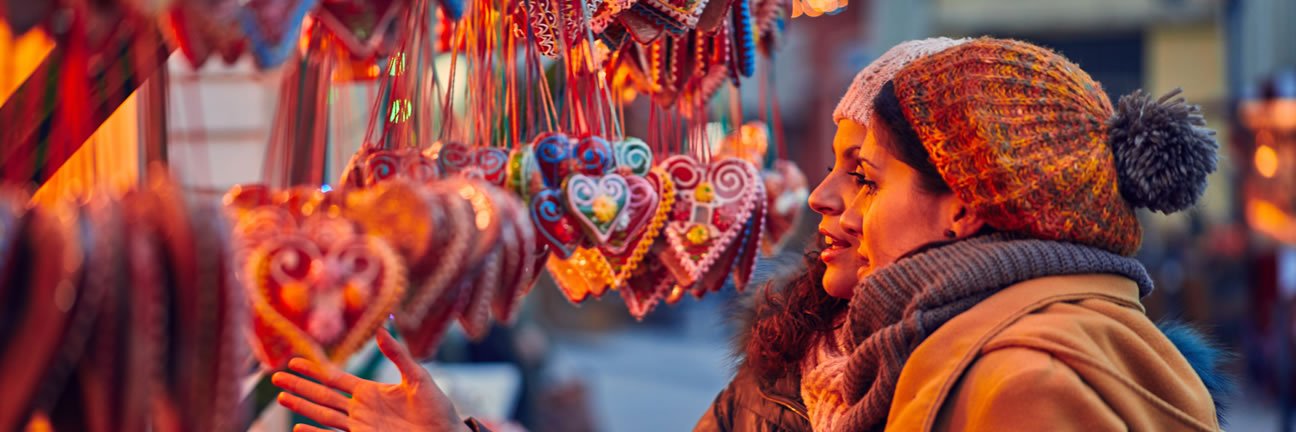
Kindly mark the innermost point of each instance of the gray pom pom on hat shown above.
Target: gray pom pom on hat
(1163, 151)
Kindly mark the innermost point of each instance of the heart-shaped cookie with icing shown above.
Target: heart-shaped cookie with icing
(712, 205)
(320, 290)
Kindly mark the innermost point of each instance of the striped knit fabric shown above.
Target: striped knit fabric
(1020, 135)
(897, 307)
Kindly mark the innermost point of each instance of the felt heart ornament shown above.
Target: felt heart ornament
(272, 28)
(597, 203)
(360, 25)
(454, 157)
(493, 163)
(553, 156)
(585, 273)
(633, 156)
(320, 292)
(712, 205)
(787, 191)
(557, 228)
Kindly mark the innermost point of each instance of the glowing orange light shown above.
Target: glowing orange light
(1266, 161)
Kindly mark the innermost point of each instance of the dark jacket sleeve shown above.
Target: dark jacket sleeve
(719, 417)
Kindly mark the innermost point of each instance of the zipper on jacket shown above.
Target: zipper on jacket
(796, 408)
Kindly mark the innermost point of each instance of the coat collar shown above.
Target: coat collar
(936, 365)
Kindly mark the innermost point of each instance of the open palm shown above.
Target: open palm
(415, 404)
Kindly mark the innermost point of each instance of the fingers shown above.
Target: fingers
(325, 416)
(398, 354)
(314, 392)
(308, 428)
(330, 376)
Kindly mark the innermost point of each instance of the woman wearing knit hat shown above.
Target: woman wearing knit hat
(995, 225)
(978, 220)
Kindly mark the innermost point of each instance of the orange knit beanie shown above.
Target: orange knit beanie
(1032, 144)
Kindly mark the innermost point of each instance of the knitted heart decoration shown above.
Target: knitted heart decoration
(712, 205)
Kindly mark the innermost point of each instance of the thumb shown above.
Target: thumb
(409, 368)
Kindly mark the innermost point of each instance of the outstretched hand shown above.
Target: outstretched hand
(416, 404)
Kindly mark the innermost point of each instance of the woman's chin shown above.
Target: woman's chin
(839, 283)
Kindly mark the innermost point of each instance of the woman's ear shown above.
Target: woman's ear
(963, 221)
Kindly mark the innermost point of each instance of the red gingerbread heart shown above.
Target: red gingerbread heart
(713, 203)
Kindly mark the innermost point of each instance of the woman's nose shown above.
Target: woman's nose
(824, 201)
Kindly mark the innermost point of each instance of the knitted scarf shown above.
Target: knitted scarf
(894, 309)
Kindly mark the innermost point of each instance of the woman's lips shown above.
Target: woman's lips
(835, 248)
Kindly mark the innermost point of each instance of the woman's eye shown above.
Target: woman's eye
(869, 185)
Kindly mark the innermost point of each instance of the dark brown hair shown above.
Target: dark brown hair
(788, 319)
(897, 135)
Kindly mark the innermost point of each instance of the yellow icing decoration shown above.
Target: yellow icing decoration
(698, 234)
(704, 193)
(604, 209)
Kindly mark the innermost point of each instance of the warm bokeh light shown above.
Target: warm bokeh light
(1266, 161)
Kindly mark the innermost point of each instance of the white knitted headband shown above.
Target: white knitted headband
(857, 104)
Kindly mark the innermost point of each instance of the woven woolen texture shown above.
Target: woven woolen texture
(857, 104)
(897, 307)
(1020, 135)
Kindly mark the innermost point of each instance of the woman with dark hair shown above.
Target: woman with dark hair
(989, 237)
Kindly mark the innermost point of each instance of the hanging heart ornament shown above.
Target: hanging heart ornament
(713, 203)
(319, 290)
